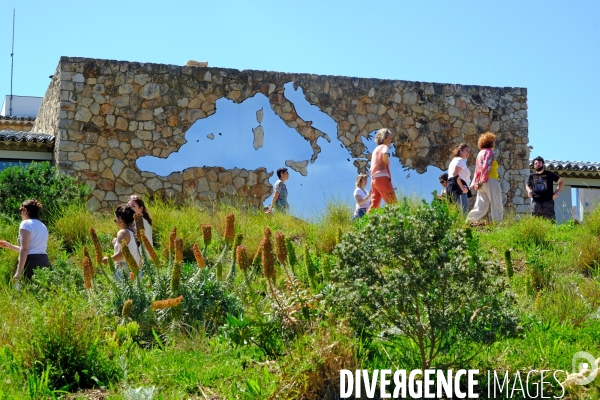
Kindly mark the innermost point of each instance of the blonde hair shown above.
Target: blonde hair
(359, 179)
(381, 135)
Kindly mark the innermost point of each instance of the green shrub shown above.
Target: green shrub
(41, 181)
(206, 301)
(409, 272)
(62, 277)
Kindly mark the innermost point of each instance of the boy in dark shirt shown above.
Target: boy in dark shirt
(540, 187)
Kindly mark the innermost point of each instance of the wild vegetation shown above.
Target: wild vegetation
(234, 303)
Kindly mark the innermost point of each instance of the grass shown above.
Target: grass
(556, 282)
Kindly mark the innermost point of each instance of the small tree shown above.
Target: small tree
(409, 272)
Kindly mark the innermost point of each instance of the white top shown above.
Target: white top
(132, 245)
(361, 193)
(464, 173)
(148, 231)
(38, 241)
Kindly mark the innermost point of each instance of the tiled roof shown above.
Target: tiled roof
(21, 136)
(580, 166)
(15, 118)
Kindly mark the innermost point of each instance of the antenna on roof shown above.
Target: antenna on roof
(12, 60)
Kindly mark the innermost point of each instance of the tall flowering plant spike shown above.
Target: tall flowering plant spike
(175, 278)
(97, 246)
(292, 259)
(229, 228)
(280, 248)
(87, 272)
(508, 262)
(131, 263)
(268, 260)
(168, 303)
(139, 226)
(86, 253)
(127, 306)
(258, 255)
(267, 232)
(151, 251)
(111, 264)
(172, 238)
(310, 268)
(198, 256)
(241, 256)
(238, 241)
(219, 270)
(178, 250)
(206, 234)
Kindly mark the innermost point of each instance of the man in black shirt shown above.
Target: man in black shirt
(540, 188)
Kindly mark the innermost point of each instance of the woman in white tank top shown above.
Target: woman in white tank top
(124, 219)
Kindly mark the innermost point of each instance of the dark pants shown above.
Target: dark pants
(543, 209)
(456, 195)
(34, 261)
(360, 213)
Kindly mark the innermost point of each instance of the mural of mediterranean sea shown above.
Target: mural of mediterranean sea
(250, 135)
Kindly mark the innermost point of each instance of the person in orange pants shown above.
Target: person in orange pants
(381, 177)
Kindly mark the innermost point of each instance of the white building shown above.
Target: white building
(17, 143)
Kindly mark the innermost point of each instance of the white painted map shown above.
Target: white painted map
(250, 135)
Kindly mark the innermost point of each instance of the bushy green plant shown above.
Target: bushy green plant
(62, 277)
(408, 272)
(207, 302)
(41, 181)
(263, 331)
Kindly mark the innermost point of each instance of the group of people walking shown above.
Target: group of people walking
(32, 240)
(457, 182)
(485, 180)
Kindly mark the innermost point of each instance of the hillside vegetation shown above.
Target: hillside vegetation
(240, 304)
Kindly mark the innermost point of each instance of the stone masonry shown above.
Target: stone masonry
(105, 114)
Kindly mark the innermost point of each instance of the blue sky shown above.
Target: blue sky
(552, 48)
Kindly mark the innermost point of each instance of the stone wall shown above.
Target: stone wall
(50, 110)
(113, 112)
